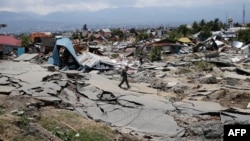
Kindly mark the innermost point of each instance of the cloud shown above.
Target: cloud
(44, 7)
(183, 3)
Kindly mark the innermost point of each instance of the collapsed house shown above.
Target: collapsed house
(9, 44)
(64, 56)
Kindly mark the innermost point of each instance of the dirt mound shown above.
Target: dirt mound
(230, 98)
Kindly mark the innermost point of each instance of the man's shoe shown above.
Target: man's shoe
(119, 86)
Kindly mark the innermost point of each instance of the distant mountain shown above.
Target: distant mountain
(12, 17)
(21, 22)
(148, 16)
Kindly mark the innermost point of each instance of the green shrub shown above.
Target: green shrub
(184, 71)
(203, 65)
(24, 122)
(2, 110)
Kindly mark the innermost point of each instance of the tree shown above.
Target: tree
(74, 36)
(132, 30)
(216, 25)
(183, 30)
(117, 32)
(174, 35)
(202, 23)
(195, 27)
(155, 54)
(142, 36)
(25, 39)
(244, 35)
(205, 32)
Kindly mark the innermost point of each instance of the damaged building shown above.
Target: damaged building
(190, 93)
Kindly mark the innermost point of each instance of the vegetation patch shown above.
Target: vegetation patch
(203, 66)
(184, 71)
(114, 55)
(70, 126)
(2, 110)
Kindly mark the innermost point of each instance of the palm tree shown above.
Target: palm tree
(183, 30)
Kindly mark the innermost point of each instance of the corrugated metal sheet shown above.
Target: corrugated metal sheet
(90, 60)
(237, 44)
(9, 40)
(185, 40)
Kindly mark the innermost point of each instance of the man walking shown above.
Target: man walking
(124, 77)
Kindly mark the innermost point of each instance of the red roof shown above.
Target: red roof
(9, 40)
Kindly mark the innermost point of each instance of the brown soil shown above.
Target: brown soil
(231, 98)
(37, 122)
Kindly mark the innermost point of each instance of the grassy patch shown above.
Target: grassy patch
(24, 122)
(114, 55)
(2, 110)
(184, 71)
(203, 65)
(27, 138)
(3, 125)
(10, 131)
(70, 126)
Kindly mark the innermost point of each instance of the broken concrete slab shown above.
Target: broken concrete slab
(149, 102)
(101, 82)
(230, 69)
(205, 90)
(15, 93)
(23, 71)
(62, 83)
(236, 117)
(81, 111)
(47, 87)
(154, 122)
(201, 93)
(150, 121)
(68, 96)
(90, 91)
(162, 68)
(6, 89)
(37, 76)
(236, 87)
(48, 98)
(49, 67)
(107, 96)
(4, 80)
(242, 71)
(239, 110)
(25, 57)
(198, 107)
(222, 63)
(234, 75)
(85, 102)
(71, 73)
(208, 79)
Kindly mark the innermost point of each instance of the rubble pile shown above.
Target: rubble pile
(161, 105)
(182, 96)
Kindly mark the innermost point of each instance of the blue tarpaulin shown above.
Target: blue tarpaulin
(20, 51)
(65, 42)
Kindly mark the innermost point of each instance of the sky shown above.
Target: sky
(44, 7)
